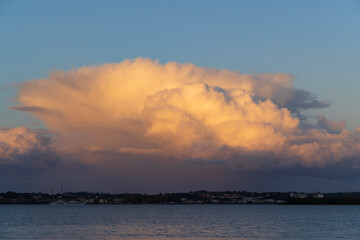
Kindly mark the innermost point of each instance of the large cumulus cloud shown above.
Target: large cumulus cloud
(185, 112)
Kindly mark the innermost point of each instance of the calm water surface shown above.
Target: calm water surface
(110, 222)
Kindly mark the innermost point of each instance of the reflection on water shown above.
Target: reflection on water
(113, 222)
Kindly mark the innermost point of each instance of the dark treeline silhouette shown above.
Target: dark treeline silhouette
(197, 197)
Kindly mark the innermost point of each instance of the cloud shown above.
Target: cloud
(183, 112)
(25, 148)
(29, 109)
(331, 126)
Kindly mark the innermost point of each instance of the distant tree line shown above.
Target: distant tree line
(196, 197)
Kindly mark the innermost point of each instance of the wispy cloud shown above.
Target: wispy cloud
(331, 126)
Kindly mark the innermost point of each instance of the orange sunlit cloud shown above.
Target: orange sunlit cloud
(186, 112)
(24, 147)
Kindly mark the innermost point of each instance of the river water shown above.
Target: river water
(111, 222)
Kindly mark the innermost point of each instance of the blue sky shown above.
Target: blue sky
(316, 41)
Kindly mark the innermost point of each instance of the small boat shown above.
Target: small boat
(58, 202)
(72, 202)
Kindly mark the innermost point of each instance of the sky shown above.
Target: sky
(167, 96)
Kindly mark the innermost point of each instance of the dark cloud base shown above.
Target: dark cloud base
(126, 173)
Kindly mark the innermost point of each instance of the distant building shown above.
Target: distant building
(298, 195)
(301, 195)
(318, 195)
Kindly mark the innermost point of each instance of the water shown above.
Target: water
(111, 222)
